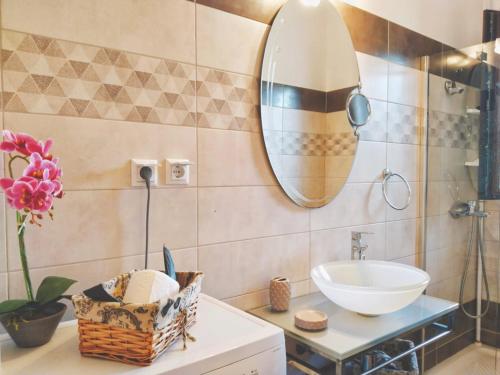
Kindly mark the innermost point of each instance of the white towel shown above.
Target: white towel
(149, 286)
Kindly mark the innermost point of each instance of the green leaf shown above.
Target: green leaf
(51, 288)
(12, 305)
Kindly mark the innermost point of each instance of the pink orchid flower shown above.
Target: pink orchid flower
(25, 144)
(28, 193)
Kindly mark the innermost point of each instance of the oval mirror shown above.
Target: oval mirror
(309, 74)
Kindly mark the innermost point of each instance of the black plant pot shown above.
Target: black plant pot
(36, 332)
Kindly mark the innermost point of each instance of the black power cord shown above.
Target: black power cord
(146, 173)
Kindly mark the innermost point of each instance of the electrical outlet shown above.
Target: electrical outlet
(177, 171)
(136, 165)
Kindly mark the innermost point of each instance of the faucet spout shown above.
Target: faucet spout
(358, 245)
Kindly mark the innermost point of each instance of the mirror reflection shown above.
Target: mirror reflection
(309, 72)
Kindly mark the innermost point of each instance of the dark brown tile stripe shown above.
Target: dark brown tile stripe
(305, 99)
(373, 35)
(369, 32)
(407, 47)
(336, 100)
(294, 97)
(258, 10)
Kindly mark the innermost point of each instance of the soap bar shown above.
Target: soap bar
(149, 286)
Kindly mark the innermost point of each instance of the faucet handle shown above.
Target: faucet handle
(358, 235)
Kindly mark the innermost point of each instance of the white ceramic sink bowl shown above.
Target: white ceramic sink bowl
(370, 287)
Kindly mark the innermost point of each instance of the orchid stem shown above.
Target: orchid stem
(21, 221)
(12, 158)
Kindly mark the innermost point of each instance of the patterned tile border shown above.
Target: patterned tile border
(404, 124)
(227, 100)
(310, 144)
(50, 76)
(453, 131)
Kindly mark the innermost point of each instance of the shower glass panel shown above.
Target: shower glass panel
(461, 128)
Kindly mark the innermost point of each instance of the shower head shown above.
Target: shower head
(452, 88)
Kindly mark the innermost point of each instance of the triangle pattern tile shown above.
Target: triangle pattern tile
(47, 75)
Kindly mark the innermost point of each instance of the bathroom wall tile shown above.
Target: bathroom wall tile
(335, 244)
(157, 28)
(406, 86)
(3, 242)
(404, 124)
(356, 204)
(405, 160)
(52, 76)
(369, 162)
(492, 227)
(440, 101)
(296, 120)
(229, 42)
(184, 259)
(4, 286)
(247, 165)
(261, 298)
(237, 213)
(376, 128)
(102, 224)
(434, 162)
(397, 192)
(402, 238)
(492, 205)
(227, 100)
(445, 263)
(95, 271)
(251, 264)
(96, 154)
(453, 231)
(432, 232)
(373, 72)
(454, 131)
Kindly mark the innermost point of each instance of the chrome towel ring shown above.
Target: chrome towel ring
(387, 175)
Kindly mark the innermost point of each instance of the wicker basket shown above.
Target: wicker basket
(132, 333)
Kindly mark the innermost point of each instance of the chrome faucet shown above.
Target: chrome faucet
(358, 245)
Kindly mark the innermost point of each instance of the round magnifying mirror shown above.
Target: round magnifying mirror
(358, 109)
(309, 74)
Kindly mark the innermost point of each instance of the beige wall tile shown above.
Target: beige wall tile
(90, 273)
(151, 27)
(103, 224)
(335, 244)
(236, 213)
(296, 120)
(228, 158)
(96, 154)
(229, 42)
(261, 298)
(402, 238)
(406, 85)
(374, 73)
(369, 162)
(251, 264)
(405, 160)
(3, 242)
(376, 128)
(398, 193)
(356, 204)
(4, 286)
(492, 227)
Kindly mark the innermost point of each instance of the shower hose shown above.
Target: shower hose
(481, 251)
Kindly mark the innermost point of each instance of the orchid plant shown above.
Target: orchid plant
(32, 195)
